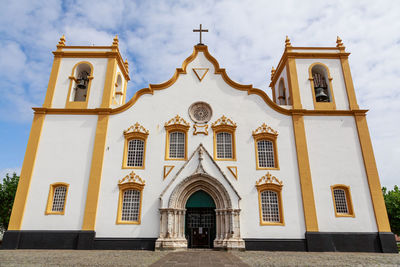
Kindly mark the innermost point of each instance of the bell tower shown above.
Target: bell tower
(314, 78)
(87, 77)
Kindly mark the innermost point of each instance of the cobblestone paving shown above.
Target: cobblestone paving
(269, 258)
(191, 258)
(199, 258)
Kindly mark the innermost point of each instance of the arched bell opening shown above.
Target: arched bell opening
(200, 220)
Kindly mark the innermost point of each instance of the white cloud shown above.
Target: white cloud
(10, 172)
(246, 37)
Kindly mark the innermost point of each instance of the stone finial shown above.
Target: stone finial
(287, 42)
(272, 73)
(339, 42)
(62, 41)
(115, 41)
(126, 65)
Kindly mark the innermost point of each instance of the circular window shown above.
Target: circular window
(200, 112)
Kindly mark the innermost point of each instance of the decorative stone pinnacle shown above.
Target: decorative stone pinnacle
(115, 41)
(126, 65)
(339, 42)
(287, 42)
(62, 41)
(272, 73)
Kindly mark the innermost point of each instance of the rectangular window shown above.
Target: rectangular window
(265, 150)
(270, 206)
(177, 145)
(57, 199)
(130, 205)
(135, 153)
(224, 145)
(342, 201)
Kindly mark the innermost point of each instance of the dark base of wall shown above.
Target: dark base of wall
(314, 241)
(276, 244)
(71, 240)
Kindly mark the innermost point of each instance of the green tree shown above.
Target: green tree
(392, 201)
(7, 193)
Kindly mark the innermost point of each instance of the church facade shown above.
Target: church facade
(200, 161)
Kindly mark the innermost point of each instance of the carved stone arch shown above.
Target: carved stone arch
(197, 182)
(172, 221)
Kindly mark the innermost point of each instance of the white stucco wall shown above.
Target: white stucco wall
(63, 81)
(335, 158)
(64, 155)
(152, 111)
(338, 85)
(283, 75)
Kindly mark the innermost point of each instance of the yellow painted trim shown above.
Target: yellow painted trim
(176, 124)
(50, 198)
(96, 169)
(130, 181)
(95, 54)
(200, 129)
(224, 129)
(348, 81)
(307, 192)
(322, 105)
(269, 137)
(109, 83)
(79, 104)
(166, 173)
(270, 183)
(233, 171)
(129, 137)
(349, 202)
(198, 76)
(293, 82)
(371, 171)
(51, 87)
(115, 92)
(124, 96)
(28, 165)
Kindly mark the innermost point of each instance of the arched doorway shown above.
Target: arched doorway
(200, 223)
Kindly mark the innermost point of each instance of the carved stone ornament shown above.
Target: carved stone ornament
(200, 112)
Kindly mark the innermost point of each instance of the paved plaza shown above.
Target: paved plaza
(191, 258)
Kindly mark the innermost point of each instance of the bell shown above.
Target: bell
(320, 95)
(81, 84)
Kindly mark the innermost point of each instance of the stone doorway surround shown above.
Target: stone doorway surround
(172, 217)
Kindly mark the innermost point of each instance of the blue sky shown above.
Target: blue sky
(246, 37)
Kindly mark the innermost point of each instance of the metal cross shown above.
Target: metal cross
(200, 31)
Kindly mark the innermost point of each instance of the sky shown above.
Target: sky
(246, 37)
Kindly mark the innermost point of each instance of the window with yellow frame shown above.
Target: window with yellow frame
(176, 138)
(342, 202)
(135, 147)
(224, 139)
(266, 148)
(79, 85)
(270, 200)
(57, 199)
(130, 199)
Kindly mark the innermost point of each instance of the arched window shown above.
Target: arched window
(135, 147)
(265, 147)
(57, 198)
(270, 201)
(80, 81)
(224, 139)
(118, 92)
(282, 93)
(130, 199)
(224, 145)
(321, 86)
(342, 201)
(176, 138)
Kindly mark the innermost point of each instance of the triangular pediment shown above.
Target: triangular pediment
(200, 163)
